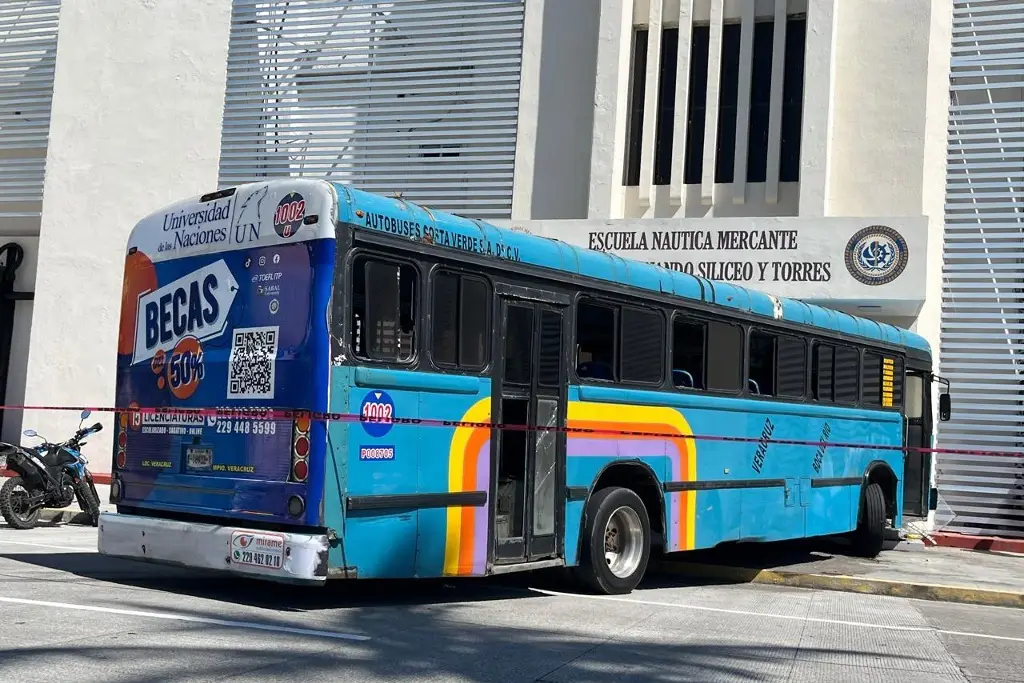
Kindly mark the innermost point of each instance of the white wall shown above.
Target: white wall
(136, 121)
(556, 109)
(889, 123)
(880, 104)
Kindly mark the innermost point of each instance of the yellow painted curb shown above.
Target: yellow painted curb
(848, 584)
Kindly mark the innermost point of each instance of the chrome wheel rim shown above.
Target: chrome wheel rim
(623, 541)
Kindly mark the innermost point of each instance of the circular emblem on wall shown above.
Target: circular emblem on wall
(876, 255)
(289, 214)
(376, 413)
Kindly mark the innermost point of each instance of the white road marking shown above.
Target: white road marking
(787, 617)
(74, 548)
(184, 617)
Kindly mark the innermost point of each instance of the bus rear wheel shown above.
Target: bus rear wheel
(617, 542)
(869, 537)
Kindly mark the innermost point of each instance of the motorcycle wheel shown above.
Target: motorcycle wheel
(93, 499)
(14, 505)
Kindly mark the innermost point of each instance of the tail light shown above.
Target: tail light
(300, 450)
(122, 441)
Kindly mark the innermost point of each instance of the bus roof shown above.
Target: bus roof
(398, 216)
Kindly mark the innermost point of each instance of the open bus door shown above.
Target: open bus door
(919, 497)
(529, 390)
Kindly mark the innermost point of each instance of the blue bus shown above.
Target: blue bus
(502, 401)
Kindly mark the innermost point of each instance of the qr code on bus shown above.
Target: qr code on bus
(252, 362)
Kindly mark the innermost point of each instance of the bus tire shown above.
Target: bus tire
(869, 537)
(616, 541)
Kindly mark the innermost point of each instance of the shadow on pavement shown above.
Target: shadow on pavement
(256, 593)
(418, 633)
(429, 648)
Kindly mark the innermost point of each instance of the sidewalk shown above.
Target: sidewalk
(910, 570)
(72, 514)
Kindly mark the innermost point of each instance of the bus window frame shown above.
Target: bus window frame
(859, 350)
(688, 318)
(607, 302)
(660, 313)
(443, 268)
(413, 362)
(741, 390)
(616, 304)
(748, 337)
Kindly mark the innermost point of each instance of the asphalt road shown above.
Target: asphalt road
(67, 614)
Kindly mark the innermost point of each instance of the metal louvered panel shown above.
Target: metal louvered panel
(982, 346)
(413, 96)
(28, 50)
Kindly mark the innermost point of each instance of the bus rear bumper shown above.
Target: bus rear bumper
(279, 556)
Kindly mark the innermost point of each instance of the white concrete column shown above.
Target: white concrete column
(611, 102)
(682, 105)
(707, 180)
(933, 195)
(652, 86)
(739, 181)
(771, 187)
(529, 110)
(136, 121)
(819, 88)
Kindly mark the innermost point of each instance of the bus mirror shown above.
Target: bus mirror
(945, 407)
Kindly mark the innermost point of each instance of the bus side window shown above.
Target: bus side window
(822, 371)
(461, 321)
(871, 380)
(725, 357)
(762, 363)
(689, 344)
(642, 345)
(383, 310)
(915, 397)
(881, 381)
(791, 367)
(778, 365)
(897, 383)
(847, 375)
(835, 374)
(596, 332)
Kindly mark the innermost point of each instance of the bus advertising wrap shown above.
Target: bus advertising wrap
(218, 311)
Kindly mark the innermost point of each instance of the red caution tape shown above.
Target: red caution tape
(291, 414)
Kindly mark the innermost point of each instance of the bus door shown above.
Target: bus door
(917, 466)
(529, 390)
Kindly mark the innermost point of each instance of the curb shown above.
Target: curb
(993, 544)
(847, 584)
(61, 517)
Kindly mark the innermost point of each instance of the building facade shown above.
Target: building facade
(765, 142)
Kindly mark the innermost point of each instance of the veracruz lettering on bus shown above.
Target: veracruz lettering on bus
(196, 305)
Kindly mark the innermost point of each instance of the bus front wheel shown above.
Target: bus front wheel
(617, 541)
(869, 537)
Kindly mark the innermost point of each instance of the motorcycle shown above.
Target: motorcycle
(50, 475)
